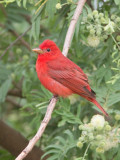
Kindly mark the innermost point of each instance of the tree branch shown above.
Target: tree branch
(14, 42)
(40, 131)
(53, 101)
(13, 102)
(3, 9)
(14, 142)
(17, 35)
(22, 40)
(15, 92)
(71, 28)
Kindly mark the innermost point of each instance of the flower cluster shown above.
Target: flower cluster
(99, 134)
(100, 26)
(59, 5)
(117, 117)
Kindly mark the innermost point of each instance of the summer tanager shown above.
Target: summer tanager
(60, 75)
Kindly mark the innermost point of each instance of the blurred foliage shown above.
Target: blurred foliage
(95, 48)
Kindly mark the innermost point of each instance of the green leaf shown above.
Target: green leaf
(50, 152)
(55, 146)
(89, 10)
(77, 28)
(60, 139)
(37, 27)
(113, 98)
(50, 8)
(18, 3)
(54, 157)
(4, 73)
(117, 2)
(24, 3)
(33, 33)
(69, 135)
(4, 89)
(117, 157)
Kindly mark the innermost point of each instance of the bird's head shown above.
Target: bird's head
(48, 47)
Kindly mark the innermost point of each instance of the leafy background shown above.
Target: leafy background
(23, 100)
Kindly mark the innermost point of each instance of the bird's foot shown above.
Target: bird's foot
(54, 96)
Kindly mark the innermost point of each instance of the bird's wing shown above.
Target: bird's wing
(70, 75)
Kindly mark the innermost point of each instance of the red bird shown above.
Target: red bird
(60, 75)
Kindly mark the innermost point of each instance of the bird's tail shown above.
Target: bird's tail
(99, 106)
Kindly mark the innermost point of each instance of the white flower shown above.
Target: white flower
(98, 121)
(112, 140)
(93, 41)
(110, 26)
(58, 6)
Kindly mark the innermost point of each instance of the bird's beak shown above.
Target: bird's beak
(38, 50)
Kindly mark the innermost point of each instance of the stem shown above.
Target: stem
(86, 151)
(115, 42)
(38, 2)
(40, 6)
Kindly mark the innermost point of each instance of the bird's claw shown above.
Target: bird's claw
(54, 96)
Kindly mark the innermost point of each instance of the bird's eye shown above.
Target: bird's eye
(48, 49)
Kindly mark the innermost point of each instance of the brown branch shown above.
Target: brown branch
(12, 44)
(2, 25)
(17, 35)
(15, 92)
(14, 103)
(14, 142)
(18, 85)
(51, 106)
(3, 9)
(12, 31)
(28, 18)
(90, 4)
(22, 40)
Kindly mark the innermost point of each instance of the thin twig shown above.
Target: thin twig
(22, 40)
(85, 154)
(15, 92)
(40, 131)
(38, 2)
(14, 103)
(71, 28)
(3, 10)
(115, 42)
(40, 5)
(12, 44)
(53, 101)
(17, 35)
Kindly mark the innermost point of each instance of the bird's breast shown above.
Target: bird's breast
(49, 83)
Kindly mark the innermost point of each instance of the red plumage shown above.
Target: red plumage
(60, 75)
